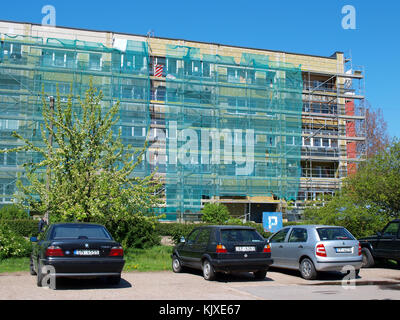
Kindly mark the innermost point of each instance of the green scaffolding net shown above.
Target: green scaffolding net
(234, 129)
(230, 128)
(28, 65)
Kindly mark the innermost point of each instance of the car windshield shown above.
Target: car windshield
(240, 235)
(79, 232)
(334, 234)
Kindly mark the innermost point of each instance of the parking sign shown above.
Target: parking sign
(272, 221)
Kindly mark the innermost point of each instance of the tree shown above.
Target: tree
(92, 171)
(377, 182)
(368, 199)
(215, 213)
(377, 138)
(341, 210)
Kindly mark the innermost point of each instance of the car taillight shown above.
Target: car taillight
(320, 250)
(221, 249)
(359, 249)
(116, 252)
(267, 248)
(54, 251)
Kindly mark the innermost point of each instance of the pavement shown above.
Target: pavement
(374, 283)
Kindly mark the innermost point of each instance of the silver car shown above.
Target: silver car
(314, 248)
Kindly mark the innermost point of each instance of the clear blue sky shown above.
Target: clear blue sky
(310, 26)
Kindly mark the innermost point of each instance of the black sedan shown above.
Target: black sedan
(77, 250)
(214, 249)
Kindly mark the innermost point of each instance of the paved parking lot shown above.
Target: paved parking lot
(378, 283)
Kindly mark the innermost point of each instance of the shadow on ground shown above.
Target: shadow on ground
(230, 277)
(87, 284)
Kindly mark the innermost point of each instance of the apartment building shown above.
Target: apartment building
(250, 128)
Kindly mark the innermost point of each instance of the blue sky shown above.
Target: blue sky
(312, 27)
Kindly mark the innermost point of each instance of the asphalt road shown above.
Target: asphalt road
(378, 283)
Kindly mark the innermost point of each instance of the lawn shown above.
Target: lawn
(154, 259)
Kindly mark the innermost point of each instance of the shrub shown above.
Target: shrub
(22, 227)
(135, 231)
(215, 213)
(177, 230)
(12, 245)
(12, 212)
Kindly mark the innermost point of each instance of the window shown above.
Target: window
(58, 58)
(327, 234)
(298, 235)
(79, 232)
(280, 236)
(204, 236)
(95, 61)
(192, 236)
(391, 230)
(240, 235)
(325, 142)
(317, 142)
(306, 141)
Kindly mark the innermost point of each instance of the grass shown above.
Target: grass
(157, 258)
(14, 265)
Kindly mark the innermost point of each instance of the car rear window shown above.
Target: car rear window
(79, 232)
(327, 234)
(240, 235)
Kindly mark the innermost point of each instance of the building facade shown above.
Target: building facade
(250, 128)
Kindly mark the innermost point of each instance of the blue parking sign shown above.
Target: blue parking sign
(272, 221)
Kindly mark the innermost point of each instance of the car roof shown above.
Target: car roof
(313, 226)
(227, 227)
(75, 224)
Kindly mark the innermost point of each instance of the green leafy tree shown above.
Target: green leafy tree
(12, 212)
(369, 198)
(377, 182)
(215, 213)
(91, 171)
(341, 210)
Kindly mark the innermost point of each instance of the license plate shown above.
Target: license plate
(245, 249)
(87, 252)
(344, 250)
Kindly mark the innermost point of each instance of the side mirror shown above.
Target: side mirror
(182, 240)
(34, 239)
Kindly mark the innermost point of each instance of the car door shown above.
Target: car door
(186, 253)
(389, 242)
(295, 247)
(200, 246)
(278, 243)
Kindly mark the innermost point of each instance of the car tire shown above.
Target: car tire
(176, 265)
(367, 258)
(307, 269)
(208, 271)
(32, 268)
(114, 280)
(260, 274)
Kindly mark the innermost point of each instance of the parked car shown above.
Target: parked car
(383, 245)
(77, 250)
(215, 249)
(314, 248)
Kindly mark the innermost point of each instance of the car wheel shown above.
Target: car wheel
(260, 274)
(357, 272)
(307, 269)
(114, 280)
(367, 258)
(31, 268)
(176, 265)
(208, 271)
